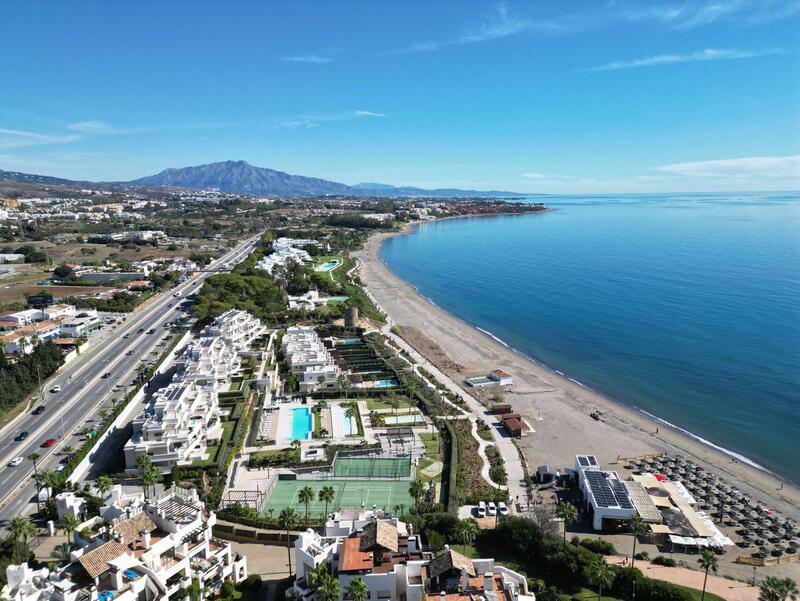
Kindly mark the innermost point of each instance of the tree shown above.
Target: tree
(416, 489)
(143, 461)
(357, 590)
(194, 590)
(708, 561)
(306, 495)
(568, 513)
(21, 527)
(63, 552)
(601, 575)
(150, 478)
(328, 590)
(34, 457)
(320, 380)
(103, 414)
(344, 384)
(69, 524)
(295, 444)
(351, 412)
(394, 403)
(778, 589)
(327, 494)
(466, 532)
(67, 450)
(103, 484)
(636, 527)
(287, 519)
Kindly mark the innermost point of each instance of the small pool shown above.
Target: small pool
(384, 383)
(347, 423)
(350, 341)
(338, 298)
(302, 423)
(394, 420)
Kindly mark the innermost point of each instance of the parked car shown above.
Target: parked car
(481, 509)
(61, 468)
(15, 462)
(39, 410)
(501, 507)
(21, 436)
(49, 442)
(492, 508)
(56, 388)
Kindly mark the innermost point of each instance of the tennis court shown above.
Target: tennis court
(384, 494)
(372, 467)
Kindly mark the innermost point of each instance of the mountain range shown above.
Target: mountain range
(239, 177)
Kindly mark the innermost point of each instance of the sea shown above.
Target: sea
(683, 306)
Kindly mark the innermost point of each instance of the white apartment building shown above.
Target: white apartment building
(284, 250)
(149, 553)
(307, 358)
(21, 318)
(383, 552)
(184, 416)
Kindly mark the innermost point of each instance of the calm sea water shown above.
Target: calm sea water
(685, 306)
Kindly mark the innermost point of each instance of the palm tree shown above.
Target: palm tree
(150, 478)
(327, 494)
(63, 552)
(103, 414)
(466, 532)
(351, 412)
(295, 444)
(328, 590)
(636, 527)
(67, 450)
(34, 457)
(601, 574)
(722, 500)
(708, 561)
(103, 484)
(306, 495)
(394, 403)
(416, 489)
(21, 527)
(69, 524)
(568, 513)
(778, 589)
(356, 590)
(288, 519)
(143, 461)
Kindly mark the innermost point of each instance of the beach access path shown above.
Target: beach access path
(559, 408)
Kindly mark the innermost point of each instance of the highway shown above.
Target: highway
(89, 382)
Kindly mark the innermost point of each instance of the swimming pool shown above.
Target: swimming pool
(301, 423)
(384, 383)
(326, 266)
(347, 423)
(394, 420)
(338, 298)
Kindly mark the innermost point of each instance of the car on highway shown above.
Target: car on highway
(21, 436)
(49, 442)
(39, 410)
(56, 388)
(151, 331)
(15, 462)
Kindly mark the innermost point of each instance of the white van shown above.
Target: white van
(481, 509)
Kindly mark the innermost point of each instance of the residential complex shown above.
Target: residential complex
(184, 416)
(283, 251)
(308, 358)
(137, 551)
(387, 556)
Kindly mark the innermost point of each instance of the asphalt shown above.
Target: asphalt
(84, 388)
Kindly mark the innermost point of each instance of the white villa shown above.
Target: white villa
(284, 250)
(308, 358)
(184, 415)
(150, 552)
(384, 553)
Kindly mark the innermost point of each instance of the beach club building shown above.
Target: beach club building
(496, 377)
(606, 496)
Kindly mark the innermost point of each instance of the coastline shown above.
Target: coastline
(562, 403)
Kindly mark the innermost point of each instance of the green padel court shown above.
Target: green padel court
(349, 495)
(371, 467)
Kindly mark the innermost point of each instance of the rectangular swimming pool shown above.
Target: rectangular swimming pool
(394, 420)
(302, 423)
(326, 266)
(384, 383)
(347, 423)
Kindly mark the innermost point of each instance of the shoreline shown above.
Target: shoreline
(556, 405)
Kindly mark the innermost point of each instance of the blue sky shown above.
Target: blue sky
(561, 97)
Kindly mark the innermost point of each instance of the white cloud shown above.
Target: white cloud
(709, 54)
(13, 138)
(307, 121)
(314, 59)
(92, 127)
(748, 167)
(699, 13)
(534, 175)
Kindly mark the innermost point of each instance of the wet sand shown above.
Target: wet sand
(557, 408)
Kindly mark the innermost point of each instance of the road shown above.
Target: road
(89, 382)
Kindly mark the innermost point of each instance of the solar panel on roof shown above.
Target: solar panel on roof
(601, 490)
(583, 461)
(591, 460)
(621, 493)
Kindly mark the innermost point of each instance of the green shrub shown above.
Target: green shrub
(598, 545)
(660, 560)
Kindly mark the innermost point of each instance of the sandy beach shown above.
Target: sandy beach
(558, 408)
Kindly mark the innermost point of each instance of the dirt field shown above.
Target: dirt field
(16, 293)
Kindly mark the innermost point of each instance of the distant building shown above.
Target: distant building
(495, 378)
(308, 358)
(21, 318)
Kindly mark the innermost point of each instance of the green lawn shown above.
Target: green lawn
(431, 442)
(375, 404)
